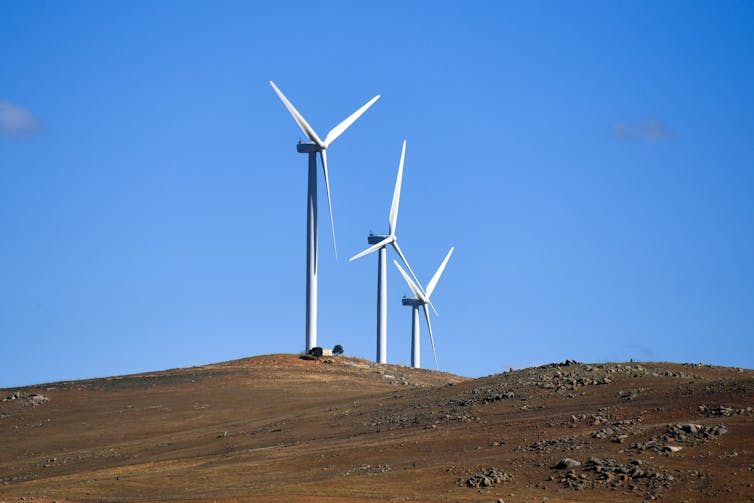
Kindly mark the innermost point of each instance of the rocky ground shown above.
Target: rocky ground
(282, 428)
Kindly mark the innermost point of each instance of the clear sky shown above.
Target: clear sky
(592, 163)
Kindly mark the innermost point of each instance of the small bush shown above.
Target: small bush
(316, 351)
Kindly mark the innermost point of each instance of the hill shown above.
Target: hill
(282, 428)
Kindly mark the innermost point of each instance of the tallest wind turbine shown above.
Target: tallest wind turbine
(314, 146)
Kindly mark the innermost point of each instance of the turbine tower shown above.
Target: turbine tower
(314, 146)
(421, 299)
(380, 242)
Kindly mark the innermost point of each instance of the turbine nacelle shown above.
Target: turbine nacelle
(373, 239)
(303, 147)
(410, 301)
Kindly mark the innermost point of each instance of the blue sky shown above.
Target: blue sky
(592, 163)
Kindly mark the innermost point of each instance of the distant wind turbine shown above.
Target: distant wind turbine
(421, 299)
(316, 145)
(380, 242)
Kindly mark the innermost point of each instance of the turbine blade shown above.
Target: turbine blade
(371, 249)
(431, 337)
(305, 127)
(323, 154)
(338, 130)
(415, 289)
(433, 282)
(403, 258)
(397, 194)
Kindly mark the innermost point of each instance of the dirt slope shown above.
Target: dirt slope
(280, 428)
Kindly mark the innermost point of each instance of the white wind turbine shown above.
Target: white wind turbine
(316, 145)
(421, 299)
(380, 242)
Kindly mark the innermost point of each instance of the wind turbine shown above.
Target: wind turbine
(380, 242)
(421, 299)
(314, 146)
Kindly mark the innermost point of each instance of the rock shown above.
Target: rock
(690, 428)
(672, 448)
(487, 477)
(682, 434)
(567, 463)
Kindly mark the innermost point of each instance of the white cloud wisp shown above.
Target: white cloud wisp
(17, 122)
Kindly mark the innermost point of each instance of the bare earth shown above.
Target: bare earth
(280, 428)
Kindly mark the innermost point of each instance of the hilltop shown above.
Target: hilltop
(283, 428)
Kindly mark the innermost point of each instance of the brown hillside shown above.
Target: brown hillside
(281, 428)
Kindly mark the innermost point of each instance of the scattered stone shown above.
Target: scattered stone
(29, 399)
(722, 411)
(486, 394)
(368, 469)
(631, 394)
(634, 475)
(681, 434)
(567, 463)
(550, 444)
(487, 477)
